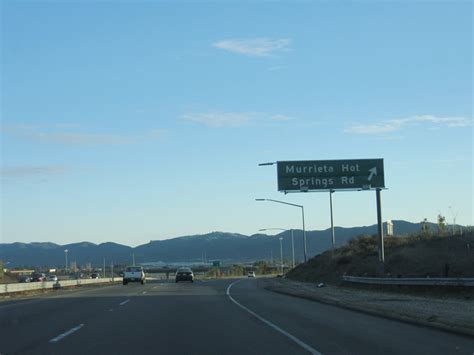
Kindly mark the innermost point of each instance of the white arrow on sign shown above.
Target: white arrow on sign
(373, 172)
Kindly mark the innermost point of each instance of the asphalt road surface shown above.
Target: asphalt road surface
(207, 317)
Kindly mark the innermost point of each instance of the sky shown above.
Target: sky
(137, 121)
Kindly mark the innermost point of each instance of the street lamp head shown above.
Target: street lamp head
(266, 164)
(65, 250)
(259, 199)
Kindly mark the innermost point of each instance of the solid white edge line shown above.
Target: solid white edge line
(65, 334)
(124, 302)
(270, 324)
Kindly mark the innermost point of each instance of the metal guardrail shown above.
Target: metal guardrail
(31, 286)
(415, 281)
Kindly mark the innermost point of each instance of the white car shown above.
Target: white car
(52, 278)
(134, 274)
(251, 274)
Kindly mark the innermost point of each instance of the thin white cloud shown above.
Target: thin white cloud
(234, 119)
(389, 126)
(221, 119)
(376, 128)
(55, 135)
(281, 118)
(68, 125)
(69, 138)
(25, 171)
(275, 68)
(254, 47)
(158, 134)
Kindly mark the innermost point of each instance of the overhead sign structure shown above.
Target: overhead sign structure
(330, 175)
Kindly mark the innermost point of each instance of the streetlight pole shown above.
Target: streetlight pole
(293, 247)
(302, 215)
(454, 219)
(281, 254)
(65, 255)
(292, 239)
(332, 223)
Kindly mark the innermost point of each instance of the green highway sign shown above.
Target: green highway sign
(317, 175)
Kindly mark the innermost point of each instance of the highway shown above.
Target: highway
(207, 317)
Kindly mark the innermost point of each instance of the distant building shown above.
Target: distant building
(389, 228)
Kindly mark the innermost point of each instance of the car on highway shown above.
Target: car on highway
(251, 274)
(24, 279)
(77, 276)
(95, 275)
(38, 277)
(184, 274)
(134, 274)
(52, 278)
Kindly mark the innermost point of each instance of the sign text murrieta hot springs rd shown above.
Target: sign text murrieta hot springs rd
(330, 175)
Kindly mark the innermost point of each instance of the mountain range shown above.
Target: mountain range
(225, 247)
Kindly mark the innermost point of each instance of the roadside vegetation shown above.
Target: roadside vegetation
(426, 254)
(239, 270)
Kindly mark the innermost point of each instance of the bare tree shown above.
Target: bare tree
(441, 225)
(425, 228)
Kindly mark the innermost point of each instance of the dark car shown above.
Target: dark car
(24, 279)
(38, 277)
(184, 274)
(95, 275)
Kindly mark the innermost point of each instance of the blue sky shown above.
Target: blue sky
(133, 121)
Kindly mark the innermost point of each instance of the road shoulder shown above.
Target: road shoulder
(448, 314)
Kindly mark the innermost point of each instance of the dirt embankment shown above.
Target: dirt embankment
(413, 256)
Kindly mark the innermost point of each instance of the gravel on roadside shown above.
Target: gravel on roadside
(448, 313)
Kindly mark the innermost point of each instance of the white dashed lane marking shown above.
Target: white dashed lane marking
(124, 302)
(65, 334)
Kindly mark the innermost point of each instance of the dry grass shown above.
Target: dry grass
(405, 256)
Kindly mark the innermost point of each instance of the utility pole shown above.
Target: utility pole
(332, 223)
(293, 247)
(454, 219)
(103, 272)
(65, 254)
(133, 259)
(281, 254)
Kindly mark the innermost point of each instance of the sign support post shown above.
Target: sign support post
(293, 247)
(380, 227)
(332, 223)
(304, 236)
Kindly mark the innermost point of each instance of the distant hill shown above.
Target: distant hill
(226, 247)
